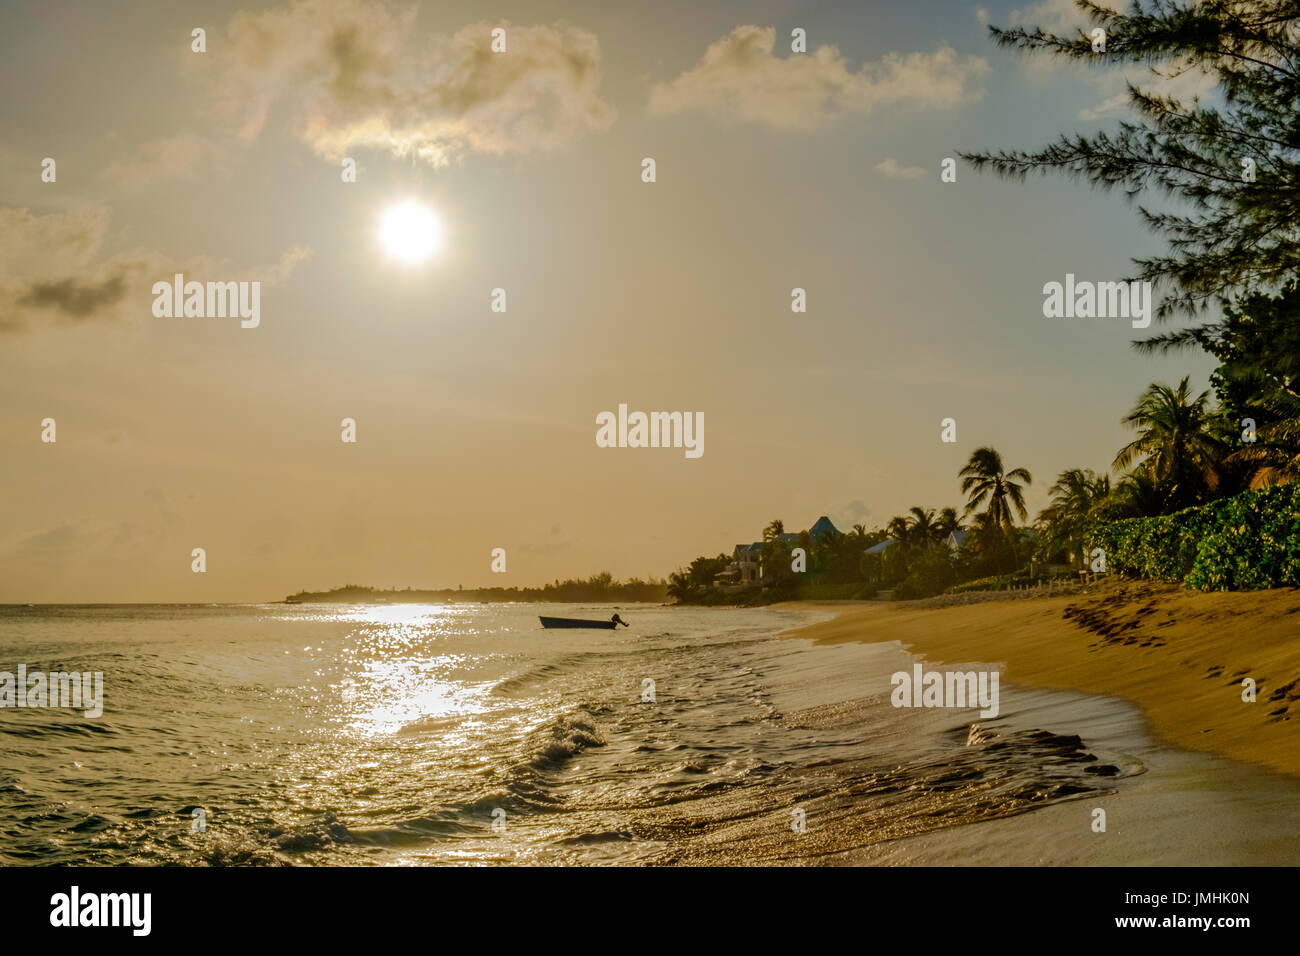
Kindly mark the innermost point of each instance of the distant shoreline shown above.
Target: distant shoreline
(599, 589)
(1180, 655)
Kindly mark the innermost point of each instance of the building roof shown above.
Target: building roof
(880, 548)
(823, 526)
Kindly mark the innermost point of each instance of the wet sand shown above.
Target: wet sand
(1151, 674)
(1180, 655)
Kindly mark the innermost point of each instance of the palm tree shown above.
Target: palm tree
(984, 479)
(922, 528)
(899, 528)
(987, 533)
(1274, 458)
(774, 563)
(1076, 497)
(1134, 496)
(947, 522)
(1176, 443)
(679, 586)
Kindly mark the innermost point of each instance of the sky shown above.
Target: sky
(476, 429)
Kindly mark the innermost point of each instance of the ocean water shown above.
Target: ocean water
(466, 734)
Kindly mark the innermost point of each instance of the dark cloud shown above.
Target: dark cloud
(52, 267)
(75, 297)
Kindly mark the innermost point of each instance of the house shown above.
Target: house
(733, 573)
(747, 559)
(878, 551)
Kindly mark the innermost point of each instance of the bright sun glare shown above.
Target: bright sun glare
(410, 232)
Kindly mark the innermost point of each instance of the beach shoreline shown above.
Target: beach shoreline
(1180, 655)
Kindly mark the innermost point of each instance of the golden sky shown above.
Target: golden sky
(476, 429)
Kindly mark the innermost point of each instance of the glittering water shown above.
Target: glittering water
(420, 734)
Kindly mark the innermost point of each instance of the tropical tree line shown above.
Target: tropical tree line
(919, 545)
(1187, 450)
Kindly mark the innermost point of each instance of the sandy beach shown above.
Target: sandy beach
(1148, 674)
(1179, 655)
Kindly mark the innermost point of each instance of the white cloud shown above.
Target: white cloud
(1063, 18)
(855, 512)
(1184, 87)
(740, 78)
(348, 75)
(892, 170)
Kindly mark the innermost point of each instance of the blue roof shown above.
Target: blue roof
(823, 526)
(880, 548)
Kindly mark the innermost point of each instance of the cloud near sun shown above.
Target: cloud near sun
(348, 74)
(52, 268)
(740, 78)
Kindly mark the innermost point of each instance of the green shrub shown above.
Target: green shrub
(829, 591)
(1246, 542)
(932, 572)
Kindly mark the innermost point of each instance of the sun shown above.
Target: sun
(410, 231)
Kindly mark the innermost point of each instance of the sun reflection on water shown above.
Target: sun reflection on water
(399, 673)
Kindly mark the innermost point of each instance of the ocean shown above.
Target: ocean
(398, 735)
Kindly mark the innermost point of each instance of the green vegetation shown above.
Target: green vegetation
(1198, 504)
(918, 554)
(1077, 496)
(984, 480)
(1197, 498)
(1180, 442)
(1248, 541)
